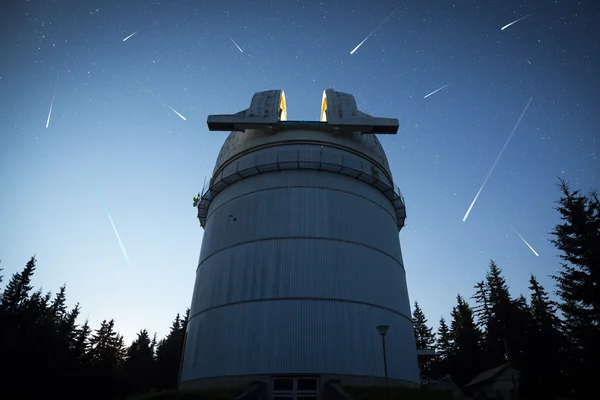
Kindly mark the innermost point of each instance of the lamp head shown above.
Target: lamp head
(382, 329)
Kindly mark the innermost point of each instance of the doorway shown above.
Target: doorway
(295, 388)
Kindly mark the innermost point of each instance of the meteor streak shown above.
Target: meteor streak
(497, 159)
(49, 113)
(52, 101)
(161, 100)
(374, 30)
(114, 227)
(175, 111)
(524, 241)
(236, 45)
(435, 91)
(138, 31)
(134, 33)
(515, 21)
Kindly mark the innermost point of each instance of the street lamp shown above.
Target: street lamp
(382, 329)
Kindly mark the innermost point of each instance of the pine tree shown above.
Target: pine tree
(65, 330)
(106, 346)
(81, 344)
(18, 287)
(577, 238)
(521, 302)
(35, 307)
(139, 365)
(424, 338)
(35, 344)
(463, 328)
(444, 339)
(106, 356)
(505, 333)
(543, 309)
(542, 372)
(121, 350)
(466, 359)
(168, 355)
(184, 322)
(441, 364)
(482, 310)
(59, 306)
(498, 290)
(68, 324)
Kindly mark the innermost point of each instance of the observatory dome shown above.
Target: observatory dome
(239, 143)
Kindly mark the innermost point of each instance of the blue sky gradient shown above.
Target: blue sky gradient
(107, 133)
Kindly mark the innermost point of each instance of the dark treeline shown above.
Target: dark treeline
(46, 351)
(554, 345)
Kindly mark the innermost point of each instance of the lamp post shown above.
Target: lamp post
(382, 329)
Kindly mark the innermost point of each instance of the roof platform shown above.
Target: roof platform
(268, 112)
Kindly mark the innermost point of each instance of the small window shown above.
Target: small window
(283, 384)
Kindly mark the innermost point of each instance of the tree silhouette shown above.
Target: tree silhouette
(577, 238)
(466, 358)
(504, 320)
(441, 364)
(18, 288)
(444, 339)
(139, 367)
(424, 338)
(482, 310)
(46, 353)
(542, 373)
(81, 342)
(169, 353)
(59, 307)
(543, 309)
(498, 321)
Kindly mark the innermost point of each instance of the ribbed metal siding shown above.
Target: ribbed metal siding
(279, 236)
(298, 336)
(300, 268)
(304, 178)
(301, 212)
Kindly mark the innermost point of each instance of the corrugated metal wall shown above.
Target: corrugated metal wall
(297, 268)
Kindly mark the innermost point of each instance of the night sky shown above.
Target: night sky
(115, 147)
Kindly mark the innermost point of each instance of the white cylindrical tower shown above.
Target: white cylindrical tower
(300, 258)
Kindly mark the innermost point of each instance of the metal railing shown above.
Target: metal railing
(205, 187)
(219, 182)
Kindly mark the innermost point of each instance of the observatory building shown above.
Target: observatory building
(300, 260)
